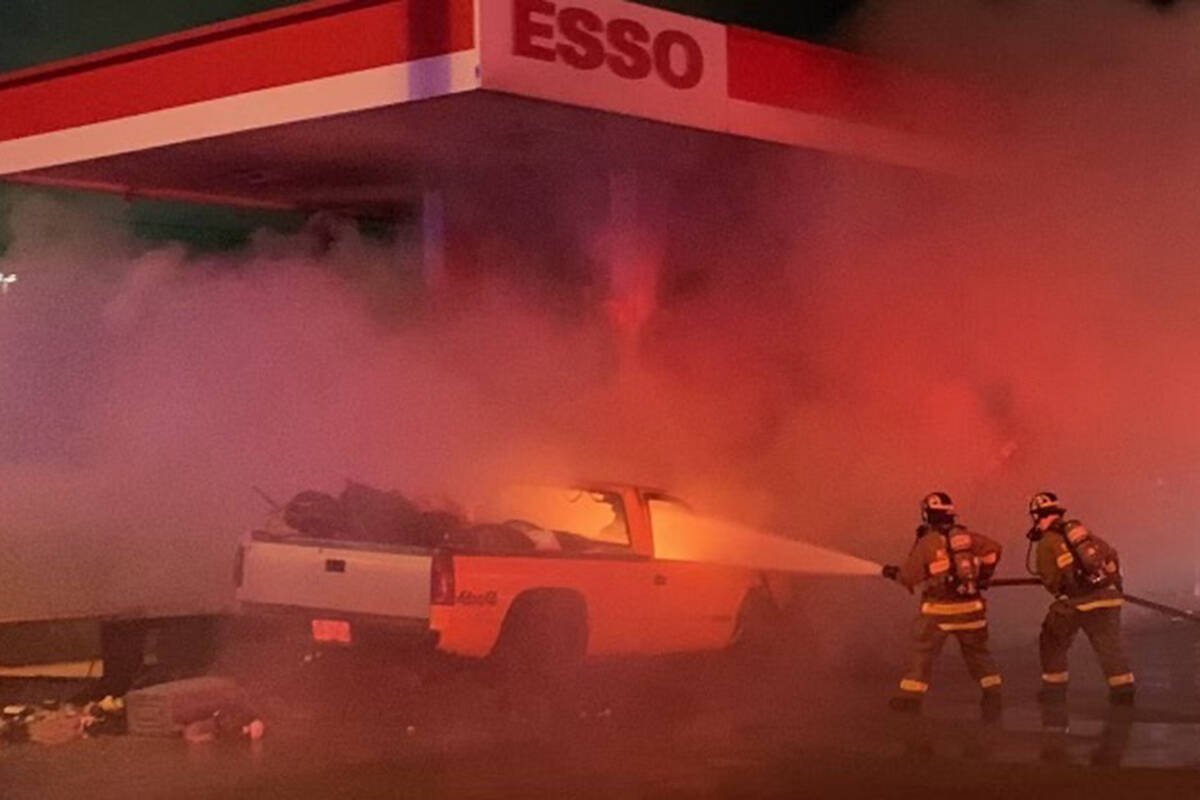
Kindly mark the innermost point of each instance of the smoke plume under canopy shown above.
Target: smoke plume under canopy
(823, 341)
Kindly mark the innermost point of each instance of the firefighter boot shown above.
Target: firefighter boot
(1055, 725)
(991, 705)
(910, 704)
(1052, 694)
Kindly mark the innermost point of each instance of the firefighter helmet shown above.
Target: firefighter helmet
(1045, 504)
(937, 507)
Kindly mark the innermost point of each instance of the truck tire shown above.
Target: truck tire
(537, 659)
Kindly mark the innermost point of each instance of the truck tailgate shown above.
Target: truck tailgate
(336, 576)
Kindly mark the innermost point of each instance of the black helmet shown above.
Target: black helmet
(937, 508)
(1045, 504)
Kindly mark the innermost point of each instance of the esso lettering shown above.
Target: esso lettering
(582, 39)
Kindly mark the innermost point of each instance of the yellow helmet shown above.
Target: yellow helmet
(1044, 504)
(937, 507)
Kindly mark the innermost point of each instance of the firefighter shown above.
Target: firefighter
(951, 565)
(1083, 573)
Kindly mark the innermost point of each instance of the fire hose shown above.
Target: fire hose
(1170, 611)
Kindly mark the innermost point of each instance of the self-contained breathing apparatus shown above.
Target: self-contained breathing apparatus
(964, 564)
(1090, 568)
(962, 575)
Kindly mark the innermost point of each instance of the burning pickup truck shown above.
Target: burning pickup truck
(534, 573)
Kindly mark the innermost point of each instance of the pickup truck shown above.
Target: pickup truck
(534, 573)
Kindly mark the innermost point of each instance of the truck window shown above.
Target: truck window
(570, 520)
(680, 534)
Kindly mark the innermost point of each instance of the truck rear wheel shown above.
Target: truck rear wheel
(537, 659)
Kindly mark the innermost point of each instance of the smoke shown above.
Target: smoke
(146, 390)
(1064, 284)
(820, 341)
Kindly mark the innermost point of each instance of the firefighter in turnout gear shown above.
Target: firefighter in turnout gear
(951, 566)
(1083, 573)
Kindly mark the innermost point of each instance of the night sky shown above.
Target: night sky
(806, 19)
(37, 31)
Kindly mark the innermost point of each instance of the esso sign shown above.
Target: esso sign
(581, 38)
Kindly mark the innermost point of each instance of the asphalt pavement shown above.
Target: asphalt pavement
(706, 727)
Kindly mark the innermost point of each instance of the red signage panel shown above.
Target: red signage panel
(606, 54)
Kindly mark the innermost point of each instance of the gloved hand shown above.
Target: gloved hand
(891, 572)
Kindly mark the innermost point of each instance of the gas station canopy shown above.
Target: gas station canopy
(355, 103)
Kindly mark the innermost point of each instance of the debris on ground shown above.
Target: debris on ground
(57, 726)
(233, 722)
(201, 709)
(55, 723)
(106, 717)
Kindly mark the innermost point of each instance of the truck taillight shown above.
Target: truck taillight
(239, 566)
(441, 579)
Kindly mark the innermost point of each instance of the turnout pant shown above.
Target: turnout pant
(1103, 629)
(929, 636)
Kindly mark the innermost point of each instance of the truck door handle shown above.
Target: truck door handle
(660, 580)
(335, 565)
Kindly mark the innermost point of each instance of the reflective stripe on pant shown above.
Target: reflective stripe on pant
(1103, 628)
(930, 634)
